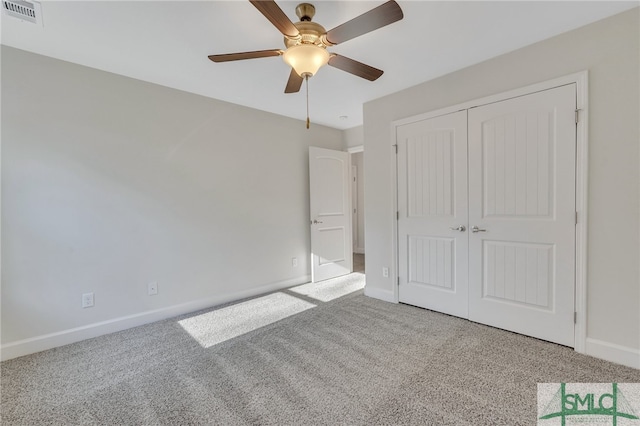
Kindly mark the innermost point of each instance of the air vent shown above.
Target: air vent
(23, 10)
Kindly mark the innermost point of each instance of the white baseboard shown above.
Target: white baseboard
(358, 250)
(376, 293)
(65, 337)
(611, 352)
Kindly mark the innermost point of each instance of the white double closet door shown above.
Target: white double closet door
(486, 220)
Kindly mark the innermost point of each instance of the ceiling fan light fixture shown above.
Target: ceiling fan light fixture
(306, 59)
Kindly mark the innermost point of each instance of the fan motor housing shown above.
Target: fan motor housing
(310, 33)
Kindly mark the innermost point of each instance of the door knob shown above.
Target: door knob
(460, 228)
(475, 229)
(315, 222)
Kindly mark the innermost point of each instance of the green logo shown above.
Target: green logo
(603, 404)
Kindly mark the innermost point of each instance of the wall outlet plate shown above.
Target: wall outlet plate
(87, 300)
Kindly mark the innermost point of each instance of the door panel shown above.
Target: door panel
(431, 261)
(522, 195)
(432, 199)
(331, 248)
(518, 273)
(517, 152)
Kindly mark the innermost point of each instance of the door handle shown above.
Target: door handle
(460, 228)
(475, 229)
(315, 222)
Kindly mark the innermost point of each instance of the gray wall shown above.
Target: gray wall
(353, 137)
(109, 183)
(609, 50)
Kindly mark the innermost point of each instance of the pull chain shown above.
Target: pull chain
(306, 77)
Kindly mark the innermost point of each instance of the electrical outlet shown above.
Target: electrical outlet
(152, 288)
(87, 300)
(385, 272)
(294, 262)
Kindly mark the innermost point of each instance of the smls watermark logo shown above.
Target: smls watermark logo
(615, 404)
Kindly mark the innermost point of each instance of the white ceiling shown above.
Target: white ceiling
(167, 43)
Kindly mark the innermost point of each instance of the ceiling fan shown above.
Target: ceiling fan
(306, 42)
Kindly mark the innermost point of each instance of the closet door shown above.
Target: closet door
(432, 213)
(522, 214)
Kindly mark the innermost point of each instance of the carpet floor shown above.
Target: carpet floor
(325, 358)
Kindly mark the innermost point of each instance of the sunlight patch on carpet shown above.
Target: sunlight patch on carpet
(326, 291)
(217, 326)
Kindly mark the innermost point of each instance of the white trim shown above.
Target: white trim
(54, 340)
(395, 274)
(380, 294)
(582, 181)
(353, 180)
(354, 150)
(611, 352)
(580, 79)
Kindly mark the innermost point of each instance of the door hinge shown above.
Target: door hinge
(398, 280)
(396, 147)
(578, 115)
(576, 218)
(397, 215)
(575, 317)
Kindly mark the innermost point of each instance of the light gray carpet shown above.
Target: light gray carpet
(349, 361)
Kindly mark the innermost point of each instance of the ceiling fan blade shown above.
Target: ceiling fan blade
(355, 67)
(245, 55)
(294, 83)
(277, 17)
(379, 17)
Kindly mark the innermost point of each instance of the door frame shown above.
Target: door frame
(353, 177)
(354, 150)
(580, 79)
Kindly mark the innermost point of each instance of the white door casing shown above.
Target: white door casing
(432, 203)
(330, 213)
(522, 155)
(354, 206)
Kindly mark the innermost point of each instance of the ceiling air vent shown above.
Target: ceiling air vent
(23, 10)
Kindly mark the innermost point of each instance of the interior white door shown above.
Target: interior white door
(330, 209)
(522, 201)
(432, 213)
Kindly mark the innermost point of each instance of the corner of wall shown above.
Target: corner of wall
(379, 294)
(353, 137)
